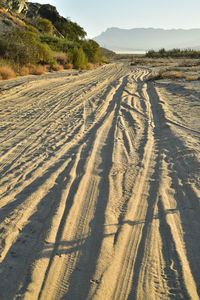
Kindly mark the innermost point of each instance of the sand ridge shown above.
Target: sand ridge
(99, 186)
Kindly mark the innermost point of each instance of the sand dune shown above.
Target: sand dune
(99, 187)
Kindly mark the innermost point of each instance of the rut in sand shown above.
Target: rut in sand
(95, 203)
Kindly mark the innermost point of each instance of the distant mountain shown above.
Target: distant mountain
(117, 39)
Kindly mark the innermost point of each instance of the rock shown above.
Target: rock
(24, 9)
(33, 10)
(46, 11)
(15, 5)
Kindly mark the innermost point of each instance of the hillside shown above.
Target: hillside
(31, 12)
(34, 38)
(148, 38)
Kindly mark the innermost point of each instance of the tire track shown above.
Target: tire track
(95, 203)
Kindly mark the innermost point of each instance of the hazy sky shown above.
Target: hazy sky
(96, 16)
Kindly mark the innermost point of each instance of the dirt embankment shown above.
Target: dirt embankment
(99, 186)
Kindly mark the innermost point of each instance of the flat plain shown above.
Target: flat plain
(99, 186)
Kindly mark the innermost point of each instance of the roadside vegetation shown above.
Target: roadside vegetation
(176, 69)
(174, 53)
(170, 74)
(32, 47)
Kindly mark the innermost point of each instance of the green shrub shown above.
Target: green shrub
(56, 44)
(92, 51)
(24, 47)
(79, 59)
(32, 29)
(44, 25)
(70, 30)
(44, 54)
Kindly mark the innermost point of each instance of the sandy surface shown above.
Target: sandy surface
(99, 187)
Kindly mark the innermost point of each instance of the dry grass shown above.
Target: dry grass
(37, 70)
(68, 66)
(7, 72)
(57, 68)
(93, 65)
(164, 74)
(3, 11)
(16, 20)
(153, 77)
(11, 17)
(191, 77)
(61, 57)
(189, 63)
(175, 75)
(90, 65)
(25, 71)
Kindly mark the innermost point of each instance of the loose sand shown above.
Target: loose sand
(99, 187)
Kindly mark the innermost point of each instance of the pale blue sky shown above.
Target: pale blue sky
(96, 16)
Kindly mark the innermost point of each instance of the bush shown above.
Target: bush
(92, 51)
(57, 68)
(31, 28)
(37, 70)
(79, 59)
(11, 64)
(56, 44)
(7, 73)
(24, 47)
(44, 25)
(68, 66)
(24, 71)
(44, 54)
(70, 30)
(61, 57)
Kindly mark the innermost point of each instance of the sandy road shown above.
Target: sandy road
(99, 188)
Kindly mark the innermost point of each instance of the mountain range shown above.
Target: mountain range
(117, 39)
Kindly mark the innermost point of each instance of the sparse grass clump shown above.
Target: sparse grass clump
(164, 74)
(174, 75)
